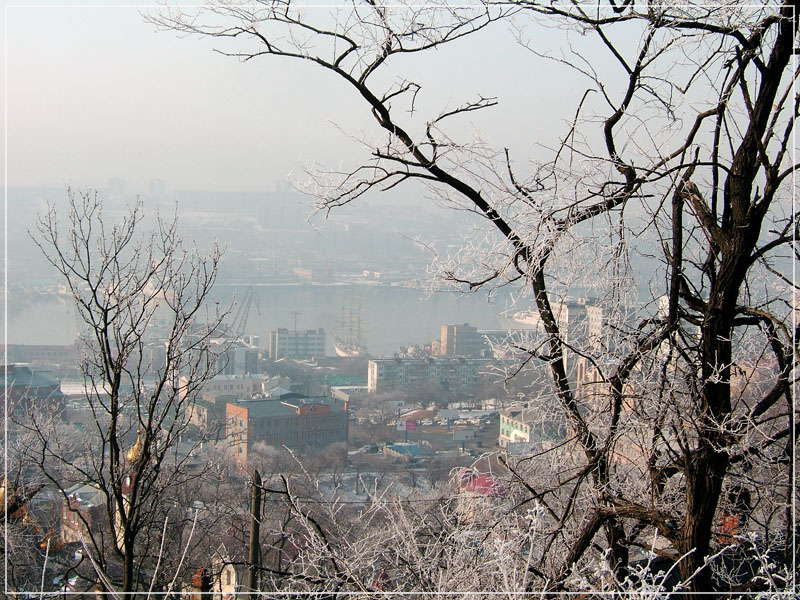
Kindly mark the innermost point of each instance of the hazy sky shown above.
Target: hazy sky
(94, 92)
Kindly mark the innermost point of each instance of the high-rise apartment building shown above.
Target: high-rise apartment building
(461, 340)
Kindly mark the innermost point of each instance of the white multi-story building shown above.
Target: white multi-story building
(455, 374)
(241, 386)
(301, 344)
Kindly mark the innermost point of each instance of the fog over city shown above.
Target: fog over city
(372, 299)
(136, 113)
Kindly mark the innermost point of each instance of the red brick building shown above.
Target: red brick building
(291, 421)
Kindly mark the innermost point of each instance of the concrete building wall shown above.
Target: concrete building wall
(460, 340)
(456, 374)
(512, 428)
(243, 386)
(526, 425)
(237, 441)
(301, 424)
(300, 345)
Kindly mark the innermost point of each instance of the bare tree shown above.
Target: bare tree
(143, 299)
(673, 178)
(22, 537)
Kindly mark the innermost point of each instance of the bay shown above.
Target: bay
(391, 316)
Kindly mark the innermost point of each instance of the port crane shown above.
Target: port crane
(239, 323)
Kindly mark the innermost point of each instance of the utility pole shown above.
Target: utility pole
(255, 521)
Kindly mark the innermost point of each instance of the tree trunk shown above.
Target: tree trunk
(703, 489)
(255, 520)
(128, 580)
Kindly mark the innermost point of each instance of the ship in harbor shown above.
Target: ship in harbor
(348, 340)
(345, 350)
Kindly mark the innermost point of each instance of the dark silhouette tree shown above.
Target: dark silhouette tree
(674, 177)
